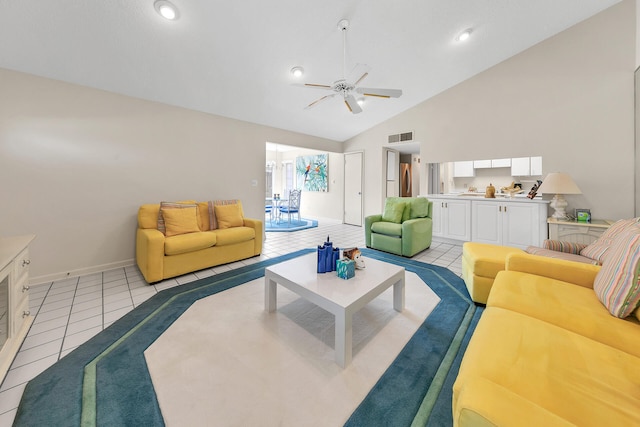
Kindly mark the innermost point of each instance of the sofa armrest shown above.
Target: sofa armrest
(258, 226)
(562, 246)
(567, 271)
(150, 253)
(368, 221)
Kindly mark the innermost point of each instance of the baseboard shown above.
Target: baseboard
(38, 280)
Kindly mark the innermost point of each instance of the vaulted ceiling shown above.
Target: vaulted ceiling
(233, 58)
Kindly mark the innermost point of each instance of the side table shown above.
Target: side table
(577, 231)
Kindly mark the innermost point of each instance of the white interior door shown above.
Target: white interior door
(353, 188)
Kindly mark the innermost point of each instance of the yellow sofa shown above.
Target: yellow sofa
(546, 352)
(181, 249)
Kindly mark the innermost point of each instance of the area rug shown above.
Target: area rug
(284, 225)
(106, 381)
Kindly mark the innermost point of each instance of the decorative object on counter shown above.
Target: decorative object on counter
(583, 215)
(355, 255)
(490, 193)
(472, 189)
(327, 257)
(346, 268)
(560, 184)
(534, 189)
(512, 189)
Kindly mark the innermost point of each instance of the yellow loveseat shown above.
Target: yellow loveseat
(191, 236)
(547, 352)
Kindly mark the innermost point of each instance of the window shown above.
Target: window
(288, 177)
(269, 179)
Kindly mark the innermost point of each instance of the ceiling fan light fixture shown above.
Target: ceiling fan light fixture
(361, 101)
(297, 72)
(166, 9)
(463, 36)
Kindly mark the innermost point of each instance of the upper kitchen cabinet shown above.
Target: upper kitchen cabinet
(526, 166)
(500, 163)
(482, 164)
(463, 169)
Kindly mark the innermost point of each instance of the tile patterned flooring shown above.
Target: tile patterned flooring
(68, 312)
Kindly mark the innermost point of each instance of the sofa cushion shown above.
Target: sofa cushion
(172, 205)
(616, 284)
(549, 253)
(184, 243)
(598, 249)
(579, 380)
(393, 210)
(230, 236)
(569, 306)
(180, 221)
(228, 216)
(213, 222)
(387, 228)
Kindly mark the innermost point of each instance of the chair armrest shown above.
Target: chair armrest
(567, 271)
(150, 253)
(416, 226)
(258, 226)
(562, 246)
(368, 221)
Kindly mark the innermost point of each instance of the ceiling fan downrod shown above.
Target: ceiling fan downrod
(343, 25)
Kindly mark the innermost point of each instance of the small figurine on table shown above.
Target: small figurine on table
(355, 255)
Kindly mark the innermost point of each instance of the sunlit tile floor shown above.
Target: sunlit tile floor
(68, 312)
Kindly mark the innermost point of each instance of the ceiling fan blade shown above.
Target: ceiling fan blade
(382, 93)
(317, 86)
(352, 104)
(317, 101)
(359, 72)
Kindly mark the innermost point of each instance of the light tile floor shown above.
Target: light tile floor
(68, 312)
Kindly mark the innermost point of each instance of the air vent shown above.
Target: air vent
(401, 137)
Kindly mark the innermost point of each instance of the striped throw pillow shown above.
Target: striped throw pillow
(562, 246)
(598, 249)
(616, 284)
(213, 222)
(172, 205)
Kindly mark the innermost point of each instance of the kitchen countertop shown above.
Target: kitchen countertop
(502, 198)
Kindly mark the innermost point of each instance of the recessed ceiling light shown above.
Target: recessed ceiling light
(464, 35)
(297, 72)
(166, 9)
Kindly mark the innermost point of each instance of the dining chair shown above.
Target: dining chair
(268, 209)
(293, 206)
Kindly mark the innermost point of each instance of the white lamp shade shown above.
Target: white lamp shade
(559, 183)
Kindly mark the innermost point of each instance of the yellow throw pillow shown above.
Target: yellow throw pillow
(180, 221)
(229, 216)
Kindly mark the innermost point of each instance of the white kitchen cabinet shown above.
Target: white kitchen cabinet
(526, 166)
(536, 166)
(482, 164)
(463, 169)
(500, 163)
(509, 223)
(520, 166)
(451, 218)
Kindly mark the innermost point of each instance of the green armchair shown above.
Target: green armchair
(404, 228)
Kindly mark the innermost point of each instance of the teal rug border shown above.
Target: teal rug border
(124, 395)
(310, 223)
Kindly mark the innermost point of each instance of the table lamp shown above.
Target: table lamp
(559, 183)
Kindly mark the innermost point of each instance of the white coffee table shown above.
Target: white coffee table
(340, 297)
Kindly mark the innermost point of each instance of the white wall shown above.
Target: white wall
(570, 99)
(76, 163)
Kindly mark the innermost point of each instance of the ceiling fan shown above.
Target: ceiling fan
(347, 86)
